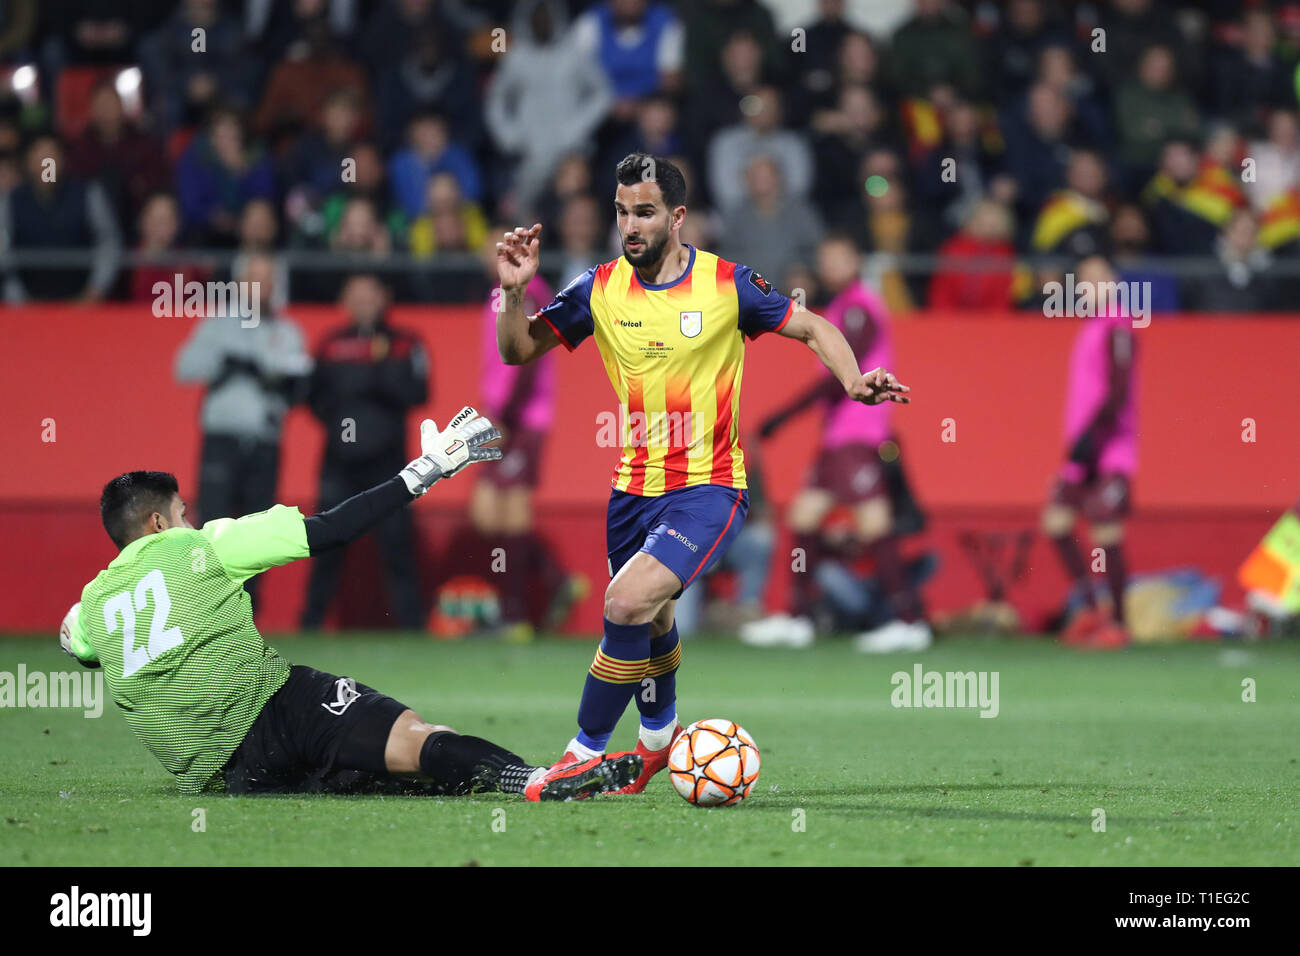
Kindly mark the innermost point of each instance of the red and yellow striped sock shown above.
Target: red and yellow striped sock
(613, 678)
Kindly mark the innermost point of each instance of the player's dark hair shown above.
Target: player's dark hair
(130, 498)
(643, 167)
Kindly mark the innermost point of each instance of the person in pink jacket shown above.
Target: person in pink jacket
(849, 469)
(1101, 458)
(521, 400)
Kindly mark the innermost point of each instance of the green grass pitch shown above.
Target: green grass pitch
(1158, 738)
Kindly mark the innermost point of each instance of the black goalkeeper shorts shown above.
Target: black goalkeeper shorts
(317, 733)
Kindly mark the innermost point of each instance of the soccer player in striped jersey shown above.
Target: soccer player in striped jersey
(171, 625)
(670, 322)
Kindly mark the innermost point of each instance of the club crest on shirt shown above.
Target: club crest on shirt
(692, 323)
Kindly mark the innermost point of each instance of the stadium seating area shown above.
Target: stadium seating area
(973, 151)
(396, 132)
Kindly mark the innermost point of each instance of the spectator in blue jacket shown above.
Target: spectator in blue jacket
(217, 175)
(639, 45)
(430, 151)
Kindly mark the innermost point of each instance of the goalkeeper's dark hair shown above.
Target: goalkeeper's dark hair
(643, 167)
(130, 498)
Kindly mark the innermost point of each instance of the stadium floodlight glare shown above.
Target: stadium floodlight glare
(128, 81)
(23, 79)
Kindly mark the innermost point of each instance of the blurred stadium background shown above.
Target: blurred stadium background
(313, 140)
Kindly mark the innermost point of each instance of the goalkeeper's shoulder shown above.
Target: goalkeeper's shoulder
(259, 541)
(276, 515)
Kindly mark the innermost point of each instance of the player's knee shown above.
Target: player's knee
(1057, 521)
(483, 509)
(625, 607)
(1107, 534)
(799, 523)
(517, 515)
(874, 519)
(804, 515)
(406, 741)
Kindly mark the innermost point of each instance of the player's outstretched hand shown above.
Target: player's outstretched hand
(65, 629)
(518, 256)
(469, 427)
(463, 442)
(879, 386)
(769, 426)
(68, 642)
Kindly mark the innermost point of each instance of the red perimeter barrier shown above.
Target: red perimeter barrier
(102, 379)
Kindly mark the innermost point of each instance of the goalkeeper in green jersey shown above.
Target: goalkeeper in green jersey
(171, 625)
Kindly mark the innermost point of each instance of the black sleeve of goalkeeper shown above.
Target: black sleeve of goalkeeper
(354, 517)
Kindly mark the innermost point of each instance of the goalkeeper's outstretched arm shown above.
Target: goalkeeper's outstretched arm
(446, 452)
(253, 544)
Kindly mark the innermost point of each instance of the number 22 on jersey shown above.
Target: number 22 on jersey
(124, 606)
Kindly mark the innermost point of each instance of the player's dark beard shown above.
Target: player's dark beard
(651, 252)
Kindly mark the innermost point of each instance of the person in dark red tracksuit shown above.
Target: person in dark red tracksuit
(366, 378)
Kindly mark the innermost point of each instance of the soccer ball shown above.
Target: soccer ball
(714, 763)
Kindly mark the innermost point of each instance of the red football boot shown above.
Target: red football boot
(1110, 636)
(1081, 627)
(652, 761)
(579, 780)
(568, 758)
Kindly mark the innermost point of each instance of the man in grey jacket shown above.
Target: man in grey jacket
(546, 99)
(253, 373)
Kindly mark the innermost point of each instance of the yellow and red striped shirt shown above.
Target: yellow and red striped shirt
(674, 354)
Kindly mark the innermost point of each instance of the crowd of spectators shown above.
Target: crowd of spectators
(976, 136)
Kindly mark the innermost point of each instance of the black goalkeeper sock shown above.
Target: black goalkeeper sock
(460, 764)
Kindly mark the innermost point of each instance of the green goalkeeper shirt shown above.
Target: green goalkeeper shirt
(172, 626)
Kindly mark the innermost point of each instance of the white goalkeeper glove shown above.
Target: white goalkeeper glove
(448, 451)
(70, 643)
(65, 629)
